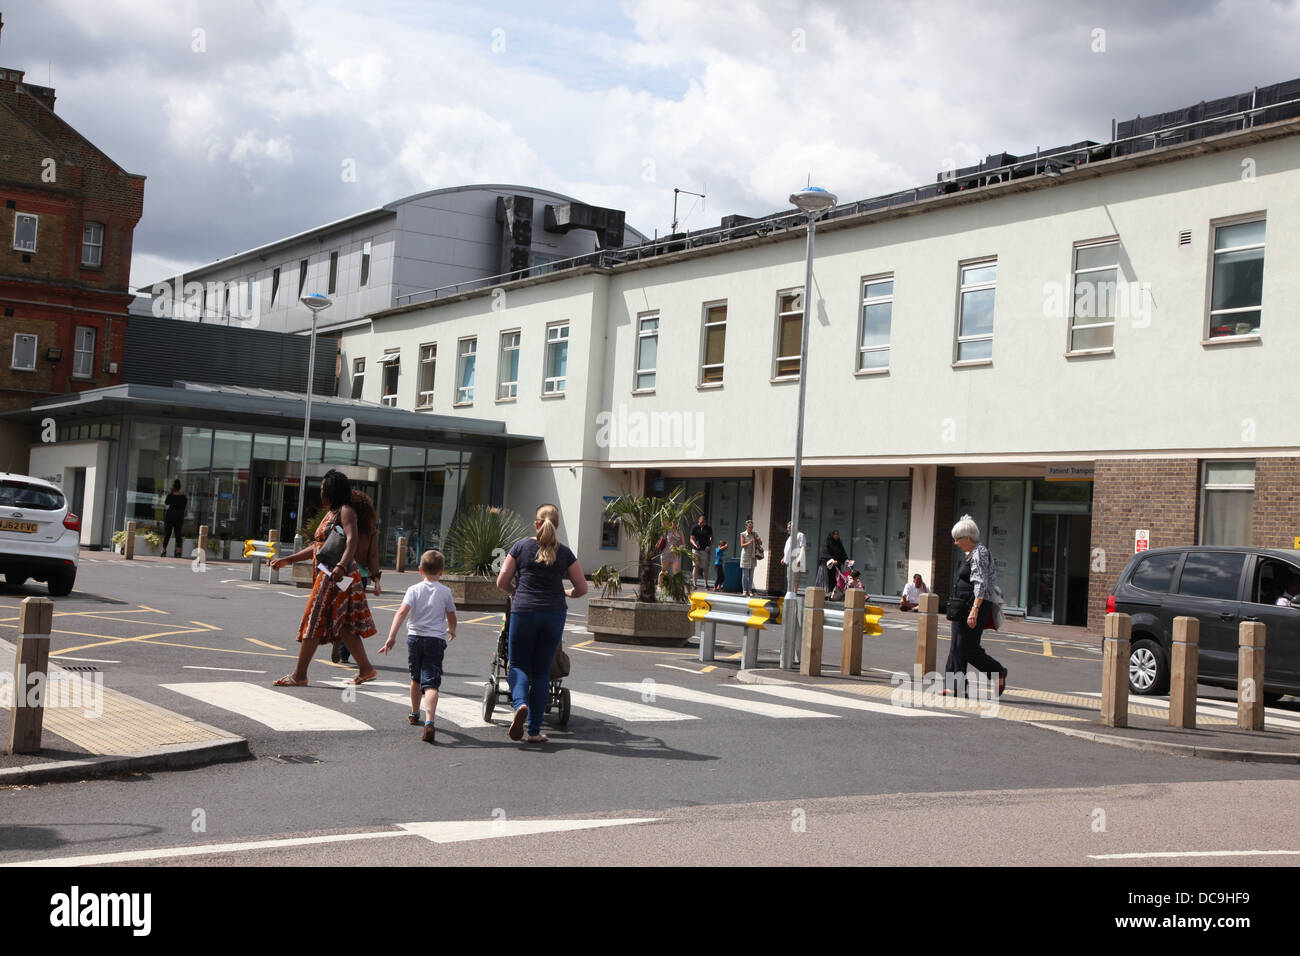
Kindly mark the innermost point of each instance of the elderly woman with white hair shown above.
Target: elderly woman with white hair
(975, 604)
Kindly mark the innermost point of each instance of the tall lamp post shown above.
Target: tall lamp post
(317, 303)
(815, 202)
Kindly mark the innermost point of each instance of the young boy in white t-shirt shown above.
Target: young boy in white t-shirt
(430, 616)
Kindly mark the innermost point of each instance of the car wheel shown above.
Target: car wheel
(14, 579)
(1148, 668)
(61, 584)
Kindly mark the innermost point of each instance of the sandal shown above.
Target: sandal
(288, 680)
(538, 739)
(517, 724)
(363, 678)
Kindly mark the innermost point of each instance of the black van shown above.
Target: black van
(1220, 587)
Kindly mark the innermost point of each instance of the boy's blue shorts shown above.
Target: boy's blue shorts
(424, 660)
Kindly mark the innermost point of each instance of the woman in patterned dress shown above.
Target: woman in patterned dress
(334, 613)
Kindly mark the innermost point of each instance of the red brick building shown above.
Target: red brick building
(67, 218)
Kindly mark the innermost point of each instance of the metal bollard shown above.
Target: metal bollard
(1184, 662)
(31, 658)
(927, 634)
(128, 546)
(1114, 670)
(1250, 675)
(851, 642)
(707, 632)
(273, 574)
(813, 624)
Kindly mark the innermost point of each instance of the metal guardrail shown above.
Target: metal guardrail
(709, 609)
(871, 616)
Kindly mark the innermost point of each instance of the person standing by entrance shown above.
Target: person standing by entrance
(174, 516)
(972, 607)
(535, 570)
(701, 539)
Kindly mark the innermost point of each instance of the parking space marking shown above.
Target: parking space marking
(263, 644)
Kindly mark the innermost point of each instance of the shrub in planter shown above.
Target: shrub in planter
(643, 520)
(480, 538)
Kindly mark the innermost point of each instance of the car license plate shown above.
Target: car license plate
(26, 527)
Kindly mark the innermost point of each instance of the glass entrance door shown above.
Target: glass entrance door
(1058, 568)
(1044, 544)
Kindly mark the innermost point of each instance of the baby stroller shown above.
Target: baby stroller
(835, 590)
(498, 683)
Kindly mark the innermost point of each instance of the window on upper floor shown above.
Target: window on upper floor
(715, 343)
(25, 232)
(83, 352)
(275, 284)
(508, 366)
(789, 333)
(465, 361)
(24, 357)
(392, 362)
(1096, 285)
(358, 376)
(428, 364)
(557, 359)
(302, 276)
(334, 272)
(365, 263)
(877, 317)
(647, 351)
(975, 311)
(1236, 296)
(92, 244)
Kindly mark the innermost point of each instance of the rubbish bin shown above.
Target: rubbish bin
(731, 574)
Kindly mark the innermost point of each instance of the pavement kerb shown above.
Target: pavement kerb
(763, 676)
(175, 757)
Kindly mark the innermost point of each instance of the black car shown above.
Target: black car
(1220, 587)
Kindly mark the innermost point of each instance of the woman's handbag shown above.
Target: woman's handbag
(959, 608)
(331, 552)
(759, 554)
(559, 664)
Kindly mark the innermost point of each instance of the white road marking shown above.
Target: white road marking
(458, 831)
(762, 709)
(199, 667)
(457, 710)
(629, 711)
(674, 667)
(1191, 853)
(806, 696)
(164, 854)
(87, 660)
(1212, 707)
(277, 709)
(588, 650)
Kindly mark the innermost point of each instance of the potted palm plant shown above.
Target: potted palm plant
(477, 544)
(646, 620)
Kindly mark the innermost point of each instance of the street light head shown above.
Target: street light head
(316, 302)
(813, 200)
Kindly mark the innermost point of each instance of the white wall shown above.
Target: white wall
(55, 462)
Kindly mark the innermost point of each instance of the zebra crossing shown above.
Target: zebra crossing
(289, 710)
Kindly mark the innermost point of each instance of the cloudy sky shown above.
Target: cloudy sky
(249, 116)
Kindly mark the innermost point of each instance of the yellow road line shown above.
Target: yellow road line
(145, 607)
(128, 640)
(480, 620)
(736, 656)
(263, 644)
(211, 627)
(705, 670)
(1047, 648)
(584, 643)
(58, 631)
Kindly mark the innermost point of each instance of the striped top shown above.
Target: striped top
(982, 575)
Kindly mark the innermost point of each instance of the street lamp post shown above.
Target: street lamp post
(317, 303)
(815, 202)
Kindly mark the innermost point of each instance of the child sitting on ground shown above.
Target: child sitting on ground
(431, 626)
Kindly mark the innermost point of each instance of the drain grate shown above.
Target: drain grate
(82, 668)
(294, 758)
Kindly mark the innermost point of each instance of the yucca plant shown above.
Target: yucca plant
(478, 541)
(643, 519)
(609, 579)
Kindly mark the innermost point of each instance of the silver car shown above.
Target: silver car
(39, 536)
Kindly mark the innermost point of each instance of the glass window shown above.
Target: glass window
(1227, 502)
(392, 362)
(25, 232)
(975, 324)
(229, 490)
(373, 455)
(1156, 572)
(441, 487)
(302, 276)
(1212, 574)
(468, 349)
(647, 351)
(358, 376)
(508, 366)
(334, 272)
(83, 355)
(715, 343)
(1273, 580)
(557, 359)
(877, 314)
(1237, 296)
(365, 263)
(24, 356)
(402, 520)
(92, 244)
(148, 458)
(428, 364)
(275, 284)
(1096, 274)
(789, 333)
(339, 452)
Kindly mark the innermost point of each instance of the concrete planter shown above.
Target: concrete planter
(474, 593)
(638, 622)
(302, 574)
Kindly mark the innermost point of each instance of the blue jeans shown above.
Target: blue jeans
(746, 580)
(534, 639)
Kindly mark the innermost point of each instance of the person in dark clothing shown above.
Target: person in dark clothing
(974, 605)
(701, 539)
(174, 517)
(834, 551)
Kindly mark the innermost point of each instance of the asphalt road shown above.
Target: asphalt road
(657, 736)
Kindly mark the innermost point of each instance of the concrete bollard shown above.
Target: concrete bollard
(401, 555)
(851, 640)
(30, 659)
(1250, 675)
(1184, 662)
(273, 574)
(1114, 670)
(814, 620)
(128, 546)
(927, 634)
